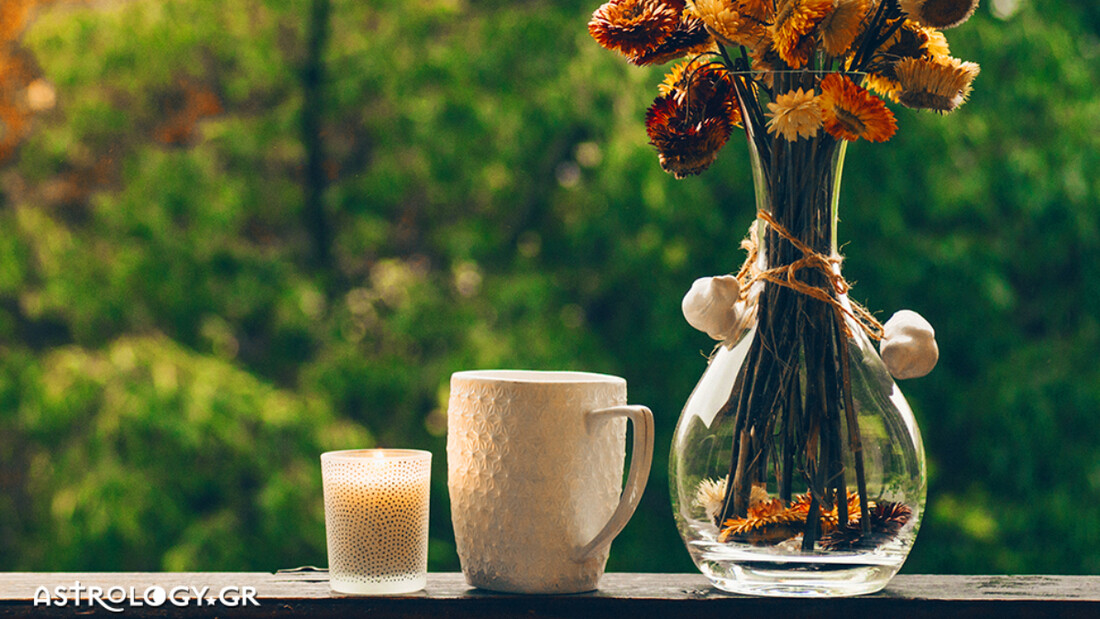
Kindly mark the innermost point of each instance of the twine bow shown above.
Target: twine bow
(826, 265)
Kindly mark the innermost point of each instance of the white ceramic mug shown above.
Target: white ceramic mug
(535, 463)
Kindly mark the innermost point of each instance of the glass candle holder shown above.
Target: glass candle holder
(376, 519)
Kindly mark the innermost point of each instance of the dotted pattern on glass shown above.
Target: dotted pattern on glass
(376, 514)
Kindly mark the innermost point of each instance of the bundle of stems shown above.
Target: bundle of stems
(792, 400)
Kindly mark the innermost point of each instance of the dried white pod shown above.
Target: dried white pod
(709, 306)
(908, 346)
(710, 495)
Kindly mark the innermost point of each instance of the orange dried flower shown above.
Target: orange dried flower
(829, 517)
(762, 10)
(769, 522)
(795, 114)
(731, 23)
(705, 86)
(633, 27)
(936, 45)
(675, 79)
(910, 41)
(886, 86)
(795, 21)
(934, 84)
(840, 28)
(849, 112)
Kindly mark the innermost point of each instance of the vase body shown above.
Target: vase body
(799, 411)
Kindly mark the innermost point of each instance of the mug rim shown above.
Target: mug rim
(538, 377)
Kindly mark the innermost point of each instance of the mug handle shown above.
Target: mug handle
(641, 458)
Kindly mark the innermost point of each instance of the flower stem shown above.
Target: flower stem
(855, 442)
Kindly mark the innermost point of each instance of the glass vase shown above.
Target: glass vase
(797, 467)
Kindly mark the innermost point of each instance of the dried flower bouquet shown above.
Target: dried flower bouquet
(801, 78)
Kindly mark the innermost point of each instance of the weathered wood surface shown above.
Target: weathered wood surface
(624, 596)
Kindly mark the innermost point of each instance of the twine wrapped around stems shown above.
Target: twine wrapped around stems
(785, 276)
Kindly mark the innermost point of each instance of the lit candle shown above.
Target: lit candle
(376, 519)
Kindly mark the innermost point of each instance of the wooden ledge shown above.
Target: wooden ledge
(624, 596)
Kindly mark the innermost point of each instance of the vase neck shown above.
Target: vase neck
(799, 186)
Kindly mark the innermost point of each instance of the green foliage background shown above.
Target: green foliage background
(179, 341)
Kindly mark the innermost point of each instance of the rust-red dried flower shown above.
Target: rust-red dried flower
(634, 27)
(690, 124)
(690, 37)
(886, 520)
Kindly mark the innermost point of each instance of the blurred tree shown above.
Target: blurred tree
(178, 341)
(21, 92)
(148, 456)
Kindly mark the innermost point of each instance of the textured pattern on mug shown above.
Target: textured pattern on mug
(529, 487)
